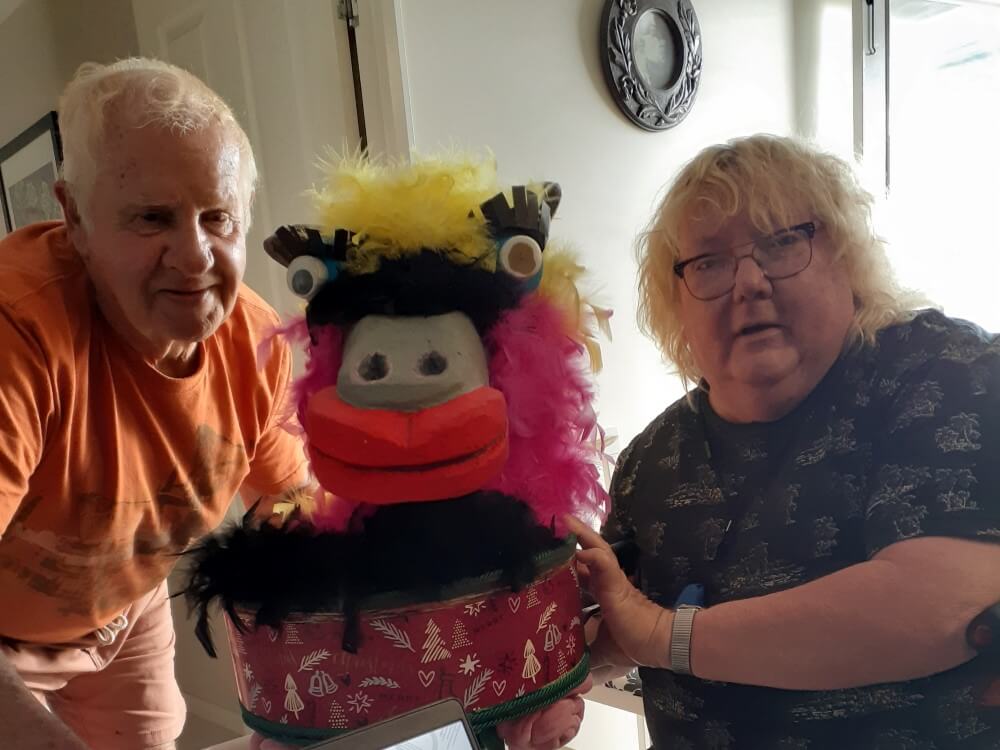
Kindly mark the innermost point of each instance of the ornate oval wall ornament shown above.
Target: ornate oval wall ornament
(651, 55)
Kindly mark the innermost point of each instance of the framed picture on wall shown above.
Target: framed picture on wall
(29, 167)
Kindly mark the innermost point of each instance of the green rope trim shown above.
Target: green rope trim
(479, 585)
(483, 721)
(532, 702)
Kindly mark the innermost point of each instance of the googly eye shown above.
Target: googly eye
(306, 274)
(520, 256)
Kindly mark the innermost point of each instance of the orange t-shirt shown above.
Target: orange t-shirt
(108, 468)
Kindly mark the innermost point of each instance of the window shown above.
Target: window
(929, 133)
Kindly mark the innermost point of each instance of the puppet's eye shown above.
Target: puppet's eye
(306, 274)
(520, 256)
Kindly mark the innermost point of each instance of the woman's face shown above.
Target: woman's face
(767, 343)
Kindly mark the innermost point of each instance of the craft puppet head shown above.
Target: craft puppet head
(447, 342)
(447, 412)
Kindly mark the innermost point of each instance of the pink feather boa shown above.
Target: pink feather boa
(543, 374)
(325, 350)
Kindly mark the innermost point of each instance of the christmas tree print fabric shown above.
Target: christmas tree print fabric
(484, 649)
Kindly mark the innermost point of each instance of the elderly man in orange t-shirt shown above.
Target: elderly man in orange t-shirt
(132, 406)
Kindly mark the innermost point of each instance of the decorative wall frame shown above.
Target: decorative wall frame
(651, 55)
(29, 167)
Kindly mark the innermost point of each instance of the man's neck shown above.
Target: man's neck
(175, 359)
(179, 364)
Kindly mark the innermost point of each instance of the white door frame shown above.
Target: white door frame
(384, 83)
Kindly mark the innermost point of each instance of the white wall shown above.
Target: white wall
(81, 38)
(41, 44)
(31, 79)
(43, 41)
(823, 51)
(524, 78)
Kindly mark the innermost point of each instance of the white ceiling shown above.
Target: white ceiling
(7, 7)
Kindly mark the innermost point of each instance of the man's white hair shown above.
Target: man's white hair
(139, 92)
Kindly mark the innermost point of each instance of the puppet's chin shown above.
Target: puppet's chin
(383, 457)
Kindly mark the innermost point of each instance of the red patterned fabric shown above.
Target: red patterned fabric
(484, 650)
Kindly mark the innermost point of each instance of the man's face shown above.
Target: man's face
(163, 235)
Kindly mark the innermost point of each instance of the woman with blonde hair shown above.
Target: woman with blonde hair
(817, 520)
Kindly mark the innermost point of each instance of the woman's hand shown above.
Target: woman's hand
(550, 728)
(632, 629)
(607, 661)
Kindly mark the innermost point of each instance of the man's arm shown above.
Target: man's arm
(24, 722)
(27, 403)
(899, 616)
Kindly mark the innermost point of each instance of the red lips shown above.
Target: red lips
(383, 457)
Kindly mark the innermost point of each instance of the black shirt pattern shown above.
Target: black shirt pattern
(900, 439)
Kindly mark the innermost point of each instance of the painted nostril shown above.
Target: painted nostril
(373, 367)
(433, 363)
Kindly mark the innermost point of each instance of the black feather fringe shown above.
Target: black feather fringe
(413, 547)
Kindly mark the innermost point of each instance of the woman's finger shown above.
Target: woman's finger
(586, 536)
(601, 564)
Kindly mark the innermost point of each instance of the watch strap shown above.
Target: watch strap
(680, 639)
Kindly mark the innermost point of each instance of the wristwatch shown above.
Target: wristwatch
(680, 638)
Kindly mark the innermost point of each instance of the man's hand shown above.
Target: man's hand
(260, 742)
(632, 628)
(275, 509)
(550, 728)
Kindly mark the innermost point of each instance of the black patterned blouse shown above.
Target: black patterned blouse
(899, 440)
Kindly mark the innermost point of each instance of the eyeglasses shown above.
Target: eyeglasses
(780, 255)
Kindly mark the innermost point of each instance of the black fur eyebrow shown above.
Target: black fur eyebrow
(427, 283)
(524, 214)
(294, 240)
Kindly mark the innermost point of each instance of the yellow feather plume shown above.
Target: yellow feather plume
(432, 203)
(398, 209)
(561, 275)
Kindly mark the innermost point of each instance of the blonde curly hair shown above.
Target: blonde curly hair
(767, 178)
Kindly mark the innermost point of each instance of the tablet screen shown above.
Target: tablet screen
(438, 726)
(451, 737)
